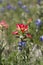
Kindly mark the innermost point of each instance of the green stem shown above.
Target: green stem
(0, 59)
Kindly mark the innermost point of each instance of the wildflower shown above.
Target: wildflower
(4, 24)
(20, 3)
(24, 7)
(15, 32)
(29, 21)
(22, 27)
(41, 38)
(0, 1)
(9, 7)
(38, 22)
(26, 10)
(2, 9)
(22, 44)
(29, 35)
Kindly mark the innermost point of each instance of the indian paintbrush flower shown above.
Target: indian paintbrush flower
(22, 27)
(15, 33)
(4, 24)
(28, 35)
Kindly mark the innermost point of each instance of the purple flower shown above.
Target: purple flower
(38, 1)
(22, 44)
(20, 3)
(0, 1)
(2, 9)
(38, 22)
(41, 38)
(24, 7)
(26, 10)
(9, 7)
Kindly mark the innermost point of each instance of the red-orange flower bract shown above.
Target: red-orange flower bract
(4, 24)
(29, 35)
(22, 27)
(15, 32)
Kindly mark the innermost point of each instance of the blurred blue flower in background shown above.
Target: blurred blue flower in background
(23, 43)
(20, 44)
(24, 6)
(41, 38)
(2, 9)
(20, 3)
(1, 1)
(38, 22)
(9, 6)
(38, 1)
(26, 10)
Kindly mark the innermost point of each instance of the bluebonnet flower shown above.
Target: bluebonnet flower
(0, 1)
(38, 22)
(20, 3)
(26, 10)
(2, 9)
(23, 43)
(38, 1)
(24, 6)
(9, 7)
(41, 38)
(20, 43)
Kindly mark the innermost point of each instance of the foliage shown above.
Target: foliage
(25, 12)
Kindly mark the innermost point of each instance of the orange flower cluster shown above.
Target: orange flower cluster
(23, 28)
